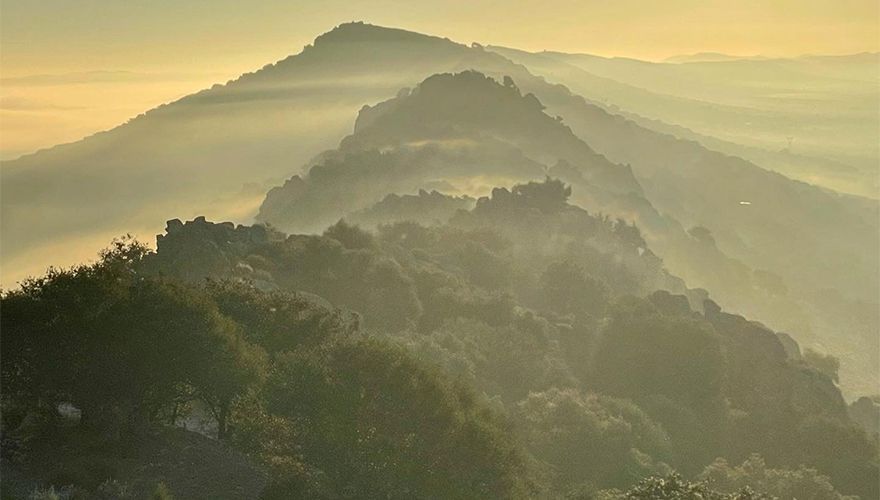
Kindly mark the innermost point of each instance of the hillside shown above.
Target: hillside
(217, 152)
(815, 106)
(451, 130)
(714, 124)
(213, 151)
(552, 334)
(391, 265)
(428, 138)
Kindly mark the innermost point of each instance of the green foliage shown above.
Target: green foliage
(456, 296)
(548, 197)
(824, 363)
(534, 307)
(351, 237)
(569, 290)
(380, 425)
(121, 348)
(504, 361)
(803, 483)
(593, 438)
(361, 279)
(422, 208)
(646, 353)
(841, 450)
(279, 321)
(336, 414)
(674, 487)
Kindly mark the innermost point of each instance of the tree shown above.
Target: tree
(802, 483)
(280, 321)
(549, 196)
(503, 361)
(568, 289)
(671, 366)
(675, 487)
(604, 441)
(120, 347)
(629, 234)
(823, 363)
(379, 424)
(841, 450)
(351, 237)
(643, 352)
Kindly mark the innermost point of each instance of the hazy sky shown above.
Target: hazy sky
(173, 47)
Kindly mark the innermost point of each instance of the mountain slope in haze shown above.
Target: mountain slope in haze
(253, 130)
(526, 298)
(455, 131)
(822, 244)
(705, 57)
(196, 154)
(819, 243)
(821, 106)
(782, 236)
(450, 129)
(204, 152)
(713, 124)
(800, 225)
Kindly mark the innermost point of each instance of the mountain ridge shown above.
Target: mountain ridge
(197, 154)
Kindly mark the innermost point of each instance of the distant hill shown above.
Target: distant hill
(705, 57)
(809, 118)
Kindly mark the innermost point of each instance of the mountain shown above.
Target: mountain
(451, 129)
(445, 132)
(205, 152)
(799, 258)
(525, 348)
(796, 231)
(543, 299)
(807, 118)
(818, 107)
(528, 299)
(704, 57)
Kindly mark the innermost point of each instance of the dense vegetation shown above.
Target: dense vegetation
(292, 383)
(523, 348)
(458, 133)
(545, 340)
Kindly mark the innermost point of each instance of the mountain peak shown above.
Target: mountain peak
(360, 32)
(465, 97)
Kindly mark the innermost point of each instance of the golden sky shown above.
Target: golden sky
(117, 58)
